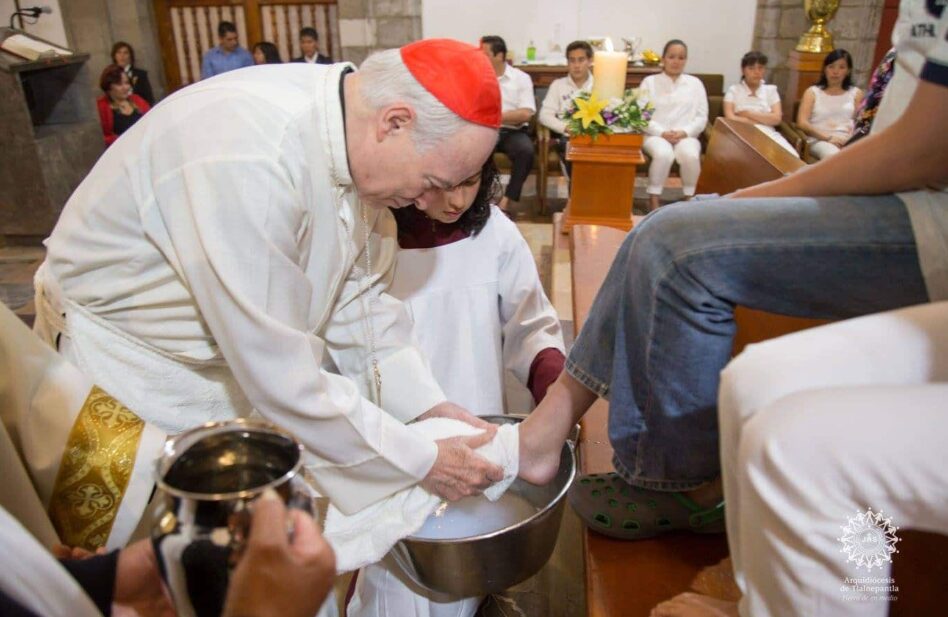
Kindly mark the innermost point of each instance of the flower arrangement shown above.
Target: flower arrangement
(589, 115)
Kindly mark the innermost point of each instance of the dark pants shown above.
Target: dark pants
(518, 147)
(560, 142)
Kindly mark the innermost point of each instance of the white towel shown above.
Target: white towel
(369, 534)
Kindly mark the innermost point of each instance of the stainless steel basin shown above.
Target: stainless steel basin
(491, 562)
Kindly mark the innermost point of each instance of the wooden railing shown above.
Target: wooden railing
(188, 28)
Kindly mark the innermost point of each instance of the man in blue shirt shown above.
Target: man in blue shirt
(227, 56)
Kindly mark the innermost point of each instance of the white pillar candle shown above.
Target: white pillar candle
(609, 74)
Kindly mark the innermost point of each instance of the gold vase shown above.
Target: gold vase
(818, 39)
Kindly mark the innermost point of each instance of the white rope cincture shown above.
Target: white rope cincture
(367, 312)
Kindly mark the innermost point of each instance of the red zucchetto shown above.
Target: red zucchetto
(457, 74)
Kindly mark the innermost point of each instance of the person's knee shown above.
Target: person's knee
(670, 225)
(522, 150)
(688, 151)
(748, 382)
(659, 149)
(656, 240)
(790, 438)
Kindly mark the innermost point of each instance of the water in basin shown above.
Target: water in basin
(473, 516)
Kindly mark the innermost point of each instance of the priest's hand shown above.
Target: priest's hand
(459, 471)
(276, 575)
(456, 412)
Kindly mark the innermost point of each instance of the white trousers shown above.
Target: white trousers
(383, 591)
(822, 149)
(818, 425)
(688, 154)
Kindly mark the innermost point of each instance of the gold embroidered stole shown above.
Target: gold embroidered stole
(95, 470)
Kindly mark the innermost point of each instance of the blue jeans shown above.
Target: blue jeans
(662, 326)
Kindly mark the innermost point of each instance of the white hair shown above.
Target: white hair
(386, 80)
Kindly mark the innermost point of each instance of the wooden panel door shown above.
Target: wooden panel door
(281, 23)
(188, 28)
(890, 14)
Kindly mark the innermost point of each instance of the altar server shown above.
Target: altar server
(470, 283)
(237, 242)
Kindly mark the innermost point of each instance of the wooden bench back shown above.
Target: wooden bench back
(740, 155)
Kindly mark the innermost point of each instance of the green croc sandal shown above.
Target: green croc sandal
(611, 506)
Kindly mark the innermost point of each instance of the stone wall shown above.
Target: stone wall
(366, 26)
(780, 23)
(94, 25)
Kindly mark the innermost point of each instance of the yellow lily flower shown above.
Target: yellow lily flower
(589, 111)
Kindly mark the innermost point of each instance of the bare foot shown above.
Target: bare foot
(717, 581)
(545, 430)
(695, 605)
(654, 203)
(504, 203)
(708, 495)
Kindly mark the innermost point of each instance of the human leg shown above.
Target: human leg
(516, 144)
(688, 155)
(562, 142)
(893, 348)
(814, 461)
(661, 328)
(662, 157)
(823, 149)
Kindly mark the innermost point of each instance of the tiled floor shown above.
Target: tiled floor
(17, 265)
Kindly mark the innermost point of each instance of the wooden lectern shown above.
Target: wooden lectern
(51, 137)
(603, 180)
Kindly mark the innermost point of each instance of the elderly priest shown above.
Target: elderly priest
(231, 253)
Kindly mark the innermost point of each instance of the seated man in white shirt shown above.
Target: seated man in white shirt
(516, 93)
(579, 78)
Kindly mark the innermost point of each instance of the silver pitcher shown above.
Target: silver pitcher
(207, 478)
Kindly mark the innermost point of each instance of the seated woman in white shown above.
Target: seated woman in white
(470, 283)
(755, 102)
(681, 113)
(828, 110)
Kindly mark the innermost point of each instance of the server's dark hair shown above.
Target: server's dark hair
(474, 218)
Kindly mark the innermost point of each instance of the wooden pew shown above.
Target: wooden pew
(740, 155)
(624, 579)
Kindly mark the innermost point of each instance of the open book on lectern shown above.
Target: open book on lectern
(30, 48)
